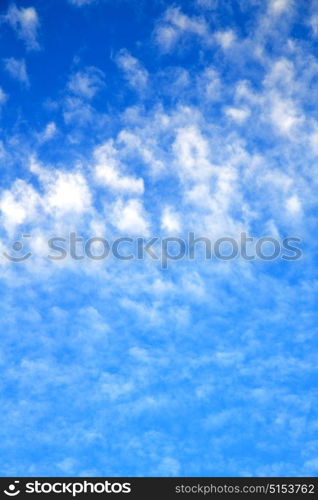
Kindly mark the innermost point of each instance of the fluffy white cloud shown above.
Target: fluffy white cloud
(170, 221)
(130, 217)
(293, 205)
(237, 114)
(192, 154)
(225, 38)
(18, 205)
(68, 193)
(109, 171)
(25, 22)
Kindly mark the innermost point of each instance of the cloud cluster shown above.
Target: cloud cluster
(208, 125)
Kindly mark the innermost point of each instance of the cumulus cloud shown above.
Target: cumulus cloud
(130, 217)
(109, 171)
(68, 193)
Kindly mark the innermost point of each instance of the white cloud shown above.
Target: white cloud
(277, 7)
(144, 146)
(135, 73)
(239, 115)
(170, 221)
(209, 84)
(313, 22)
(68, 193)
(17, 69)
(314, 142)
(48, 133)
(130, 218)
(18, 205)
(86, 83)
(77, 111)
(108, 171)
(225, 38)
(284, 115)
(281, 76)
(293, 205)
(174, 24)
(25, 22)
(192, 153)
(64, 192)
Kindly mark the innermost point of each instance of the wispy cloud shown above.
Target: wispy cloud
(25, 22)
(17, 69)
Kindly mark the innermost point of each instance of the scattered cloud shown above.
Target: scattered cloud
(17, 69)
(175, 24)
(86, 83)
(136, 75)
(25, 22)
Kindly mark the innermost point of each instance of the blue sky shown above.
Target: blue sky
(152, 118)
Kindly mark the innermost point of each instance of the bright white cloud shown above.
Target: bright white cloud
(68, 193)
(18, 205)
(293, 205)
(109, 171)
(130, 217)
(64, 193)
(170, 221)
